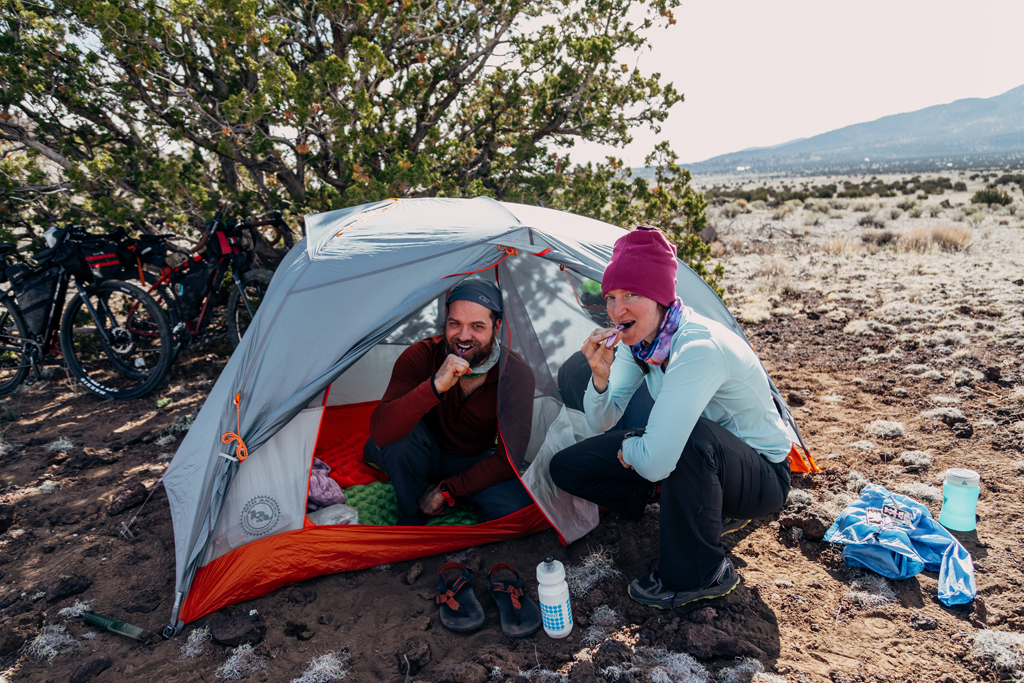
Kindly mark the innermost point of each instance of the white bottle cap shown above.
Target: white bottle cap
(550, 571)
(959, 476)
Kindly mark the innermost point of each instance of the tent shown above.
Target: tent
(365, 283)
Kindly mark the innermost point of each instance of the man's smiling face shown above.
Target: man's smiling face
(469, 331)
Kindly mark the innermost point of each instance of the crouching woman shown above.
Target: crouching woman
(715, 441)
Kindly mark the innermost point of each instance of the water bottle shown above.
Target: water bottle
(960, 499)
(553, 592)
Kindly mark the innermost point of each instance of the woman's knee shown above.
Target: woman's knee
(561, 470)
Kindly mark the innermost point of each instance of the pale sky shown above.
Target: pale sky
(757, 73)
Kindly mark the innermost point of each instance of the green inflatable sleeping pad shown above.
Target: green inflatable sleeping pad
(377, 506)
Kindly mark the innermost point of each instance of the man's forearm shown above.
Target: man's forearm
(393, 420)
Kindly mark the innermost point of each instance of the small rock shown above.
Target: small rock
(414, 573)
(66, 586)
(420, 623)
(705, 615)
(612, 653)
(963, 430)
(298, 630)
(91, 669)
(234, 631)
(993, 372)
(127, 498)
(301, 596)
(795, 399)
(143, 603)
(923, 623)
(583, 672)
(7, 517)
(415, 657)
(784, 582)
(464, 672)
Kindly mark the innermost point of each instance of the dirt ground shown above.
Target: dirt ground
(856, 336)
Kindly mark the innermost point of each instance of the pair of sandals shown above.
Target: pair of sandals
(461, 612)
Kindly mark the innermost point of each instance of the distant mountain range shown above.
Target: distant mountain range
(963, 133)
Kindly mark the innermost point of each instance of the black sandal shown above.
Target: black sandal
(520, 616)
(460, 610)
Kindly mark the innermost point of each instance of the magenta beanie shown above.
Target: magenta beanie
(643, 262)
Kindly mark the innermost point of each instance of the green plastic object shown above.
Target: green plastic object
(114, 625)
(377, 506)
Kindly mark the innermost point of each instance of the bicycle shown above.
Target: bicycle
(113, 336)
(189, 290)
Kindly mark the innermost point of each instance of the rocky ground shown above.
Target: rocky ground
(898, 363)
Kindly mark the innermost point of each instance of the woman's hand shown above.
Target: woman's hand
(623, 462)
(599, 348)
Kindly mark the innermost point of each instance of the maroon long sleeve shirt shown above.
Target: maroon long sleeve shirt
(461, 426)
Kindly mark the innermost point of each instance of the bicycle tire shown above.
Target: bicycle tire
(14, 364)
(138, 330)
(255, 284)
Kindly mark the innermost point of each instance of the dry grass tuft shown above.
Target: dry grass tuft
(52, 641)
(885, 429)
(871, 590)
(918, 239)
(837, 246)
(242, 662)
(1017, 395)
(329, 666)
(195, 646)
(915, 459)
(1003, 650)
(879, 237)
(921, 491)
(950, 238)
(594, 568)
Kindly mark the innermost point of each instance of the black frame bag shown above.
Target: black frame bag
(33, 291)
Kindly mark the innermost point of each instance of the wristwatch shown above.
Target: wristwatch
(631, 433)
(448, 497)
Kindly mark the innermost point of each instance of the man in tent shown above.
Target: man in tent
(715, 440)
(434, 430)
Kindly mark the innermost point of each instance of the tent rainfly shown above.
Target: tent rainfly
(364, 284)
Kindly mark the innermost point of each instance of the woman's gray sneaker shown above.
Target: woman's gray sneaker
(649, 591)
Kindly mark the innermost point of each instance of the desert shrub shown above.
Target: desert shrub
(895, 212)
(781, 212)
(991, 197)
(951, 238)
(718, 249)
(839, 204)
(595, 567)
(920, 491)
(1008, 179)
(871, 221)
(879, 237)
(886, 429)
(861, 207)
(916, 459)
(731, 210)
(812, 219)
(959, 215)
(934, 210)
(906, 204)
(1011, 209)
(959, 186)
(976, 219)
(915, 212)
(836, 246)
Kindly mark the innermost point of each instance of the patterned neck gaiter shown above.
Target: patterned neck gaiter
(657, 352)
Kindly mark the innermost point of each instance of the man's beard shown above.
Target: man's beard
(476, 355)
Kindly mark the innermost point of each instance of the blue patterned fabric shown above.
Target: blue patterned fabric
(896, 537)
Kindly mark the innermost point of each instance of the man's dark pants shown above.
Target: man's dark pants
(717, 475)
(415, 462)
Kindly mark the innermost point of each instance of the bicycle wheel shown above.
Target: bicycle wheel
(14, 363)
(120, 349)
(255, 284)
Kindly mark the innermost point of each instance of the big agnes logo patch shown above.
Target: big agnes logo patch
(260, 515)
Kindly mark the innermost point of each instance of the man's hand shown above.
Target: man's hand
(599, 356)
(623, 462)
(451, 370)
(431, 502)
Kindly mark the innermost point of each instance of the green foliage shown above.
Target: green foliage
(959, 186)
(991, 197)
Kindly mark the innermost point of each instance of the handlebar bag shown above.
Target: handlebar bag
(69, 255)
(33, 291)
(190, 285)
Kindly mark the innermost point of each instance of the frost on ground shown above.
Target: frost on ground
(1003, 650)
(196, 643)
(870, 590)
(885, 429)
(601, 620)
(52, 641)
(920, 491)
(242, 662)
(595, 567)
(918, 459)
(329, 666)
(60, 445)
(76, 610)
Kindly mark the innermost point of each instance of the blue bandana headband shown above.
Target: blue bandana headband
(657, 352)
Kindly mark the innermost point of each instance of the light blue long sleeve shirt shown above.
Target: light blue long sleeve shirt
(710, 372)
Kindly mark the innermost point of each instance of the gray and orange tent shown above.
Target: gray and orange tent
(364, 284)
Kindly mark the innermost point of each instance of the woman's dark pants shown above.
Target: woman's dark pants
(717, 475)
